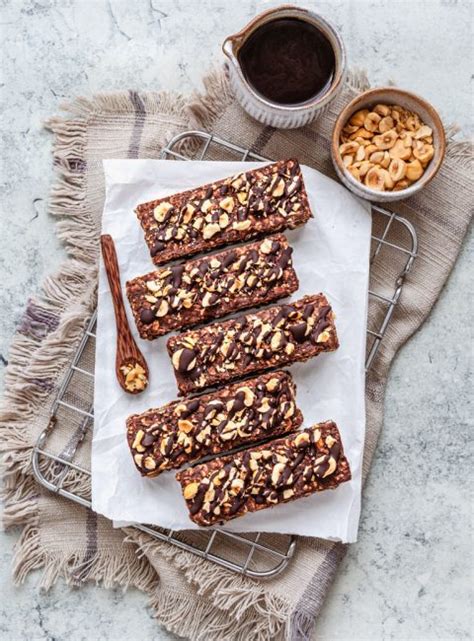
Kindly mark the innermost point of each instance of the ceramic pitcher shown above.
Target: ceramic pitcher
(262, 109)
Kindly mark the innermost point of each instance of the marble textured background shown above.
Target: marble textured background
(408, 577)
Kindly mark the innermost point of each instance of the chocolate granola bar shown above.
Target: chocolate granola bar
(269, 338)
(289, 468)
(186, 431)
(253, 203)
(212, 286)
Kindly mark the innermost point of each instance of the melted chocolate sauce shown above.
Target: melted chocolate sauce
(288, 61)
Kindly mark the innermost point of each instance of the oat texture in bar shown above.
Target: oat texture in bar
(286, 469)
(213, 286)
(185, 431)
(273, 337)
(253, 203)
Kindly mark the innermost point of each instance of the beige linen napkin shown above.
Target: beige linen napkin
(194, 598)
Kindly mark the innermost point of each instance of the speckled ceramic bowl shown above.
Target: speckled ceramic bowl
(410, 101)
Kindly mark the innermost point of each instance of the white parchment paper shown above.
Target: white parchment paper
(331, 254)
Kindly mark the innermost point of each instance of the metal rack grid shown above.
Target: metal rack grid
(62, 468)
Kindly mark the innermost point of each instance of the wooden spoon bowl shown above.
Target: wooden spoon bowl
(130, 365)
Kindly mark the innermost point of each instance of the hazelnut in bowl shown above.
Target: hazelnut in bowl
(387, 144)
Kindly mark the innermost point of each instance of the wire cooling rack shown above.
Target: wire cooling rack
(62, 465)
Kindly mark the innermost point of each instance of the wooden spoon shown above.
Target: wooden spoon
(130, 365)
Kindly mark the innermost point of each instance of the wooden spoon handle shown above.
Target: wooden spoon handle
(125, 341)
(128, 359)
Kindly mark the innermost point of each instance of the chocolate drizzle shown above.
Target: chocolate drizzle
(283, 470)
(267, 199)
(185, 431)
(183, 294)
(274, 336)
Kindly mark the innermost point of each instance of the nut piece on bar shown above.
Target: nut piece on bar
(212, 286)
(256, 202)
(272, 337)
(186, 431)
(289, 468)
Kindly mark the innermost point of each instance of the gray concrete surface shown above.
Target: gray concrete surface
(408, 577)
